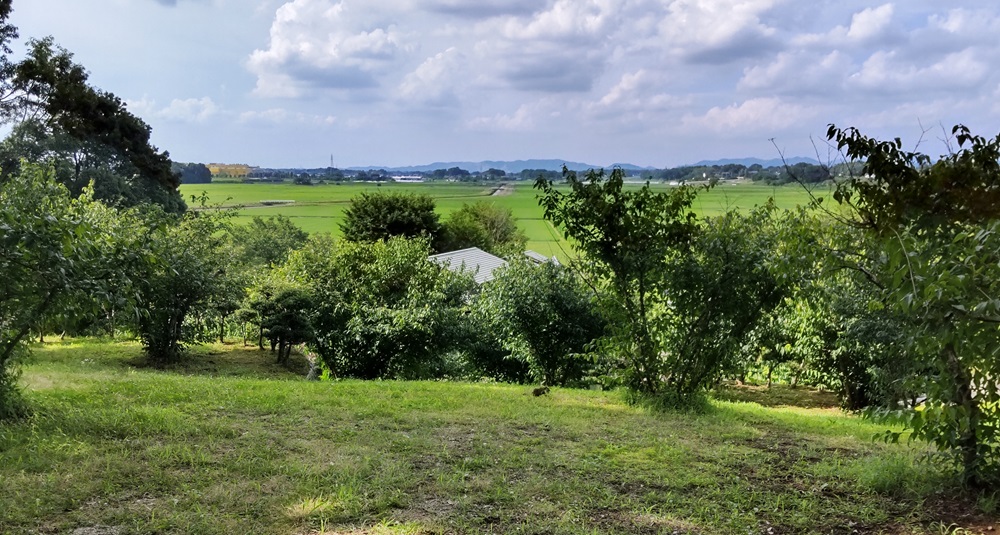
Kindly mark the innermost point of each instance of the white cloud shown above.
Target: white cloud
(759, 114)
(277, 116)
(434, 81)
(320, 44)
(884, 72)
(870, 22)
(718, 31)
(522, 119)
(637, 95)
(196, 110)
(190, 110)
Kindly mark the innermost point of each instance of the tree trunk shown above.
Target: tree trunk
(968, 441)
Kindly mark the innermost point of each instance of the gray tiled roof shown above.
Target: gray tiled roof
(474, 260)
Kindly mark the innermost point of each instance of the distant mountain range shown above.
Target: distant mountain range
(516, 166)
(776, 162)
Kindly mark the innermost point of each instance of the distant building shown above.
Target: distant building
(230, 170)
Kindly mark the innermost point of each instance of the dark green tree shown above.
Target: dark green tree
(51, 246)
(935, 223)
(546, 311)
(380, 216)
(85, 132)
(382, 310)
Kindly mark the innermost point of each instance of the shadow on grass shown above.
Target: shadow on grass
(778, 396)
(216, 360)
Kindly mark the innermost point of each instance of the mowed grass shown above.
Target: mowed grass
(231, 443)
(321, 208)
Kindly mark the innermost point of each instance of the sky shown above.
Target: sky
(650, 82)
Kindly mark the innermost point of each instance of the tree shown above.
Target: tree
(714, 295)
(50, 246)
(382, 309)
(184, 270)
(192, 173)
(626, 234)
(548, 312)
(88, 132)
(484, 225)
(936, 224)
(285, 318)
(380, 216)
(264, 243)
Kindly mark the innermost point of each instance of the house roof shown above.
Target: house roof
(475, 260)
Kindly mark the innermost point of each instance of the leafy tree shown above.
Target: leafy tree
(185, 270)
(547, 311)
(192, 173)
(936, 225)
(483, 225)
(263, 243)
(87, 133)
(50, 247)
(285, 318)
(626, 234)
(382, 309)
(380, 216)
(715, 294)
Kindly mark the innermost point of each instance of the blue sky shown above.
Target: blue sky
(650, 82)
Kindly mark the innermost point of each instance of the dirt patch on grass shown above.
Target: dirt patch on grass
(778, 396)
(641, 524)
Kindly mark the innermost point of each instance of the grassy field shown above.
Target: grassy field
(230, 443)
(320, 208)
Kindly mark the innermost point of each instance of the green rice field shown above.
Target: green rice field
(320, 208)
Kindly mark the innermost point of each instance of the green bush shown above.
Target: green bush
(545, 317)
(382, 309)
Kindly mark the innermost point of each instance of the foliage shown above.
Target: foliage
(87, 133)
(267, 242)
(380, 216)
(549, 312)
(627, 234)
(50, 247)
(937, 224)
(947, 286)
(484, 225)
(192, 173)
(901, 187)
(184, 271)
(382, 309)
(285, 318)
(714, 295)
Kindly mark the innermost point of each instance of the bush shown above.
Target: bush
(382, 309)
(380, 216)
(483, 225)
(545, 316)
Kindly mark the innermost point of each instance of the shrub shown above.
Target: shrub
(382, 309)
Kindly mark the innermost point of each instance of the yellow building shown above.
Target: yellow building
(237, 170)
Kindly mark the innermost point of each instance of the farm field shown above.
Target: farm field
(320, 208)
(228, 442)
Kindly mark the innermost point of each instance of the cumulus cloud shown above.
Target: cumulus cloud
(319, 44)
(190, 110)
(718, 31)
(759, 114)
(433, 82)
(509, 65)
(524, 118)
(884, 72)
